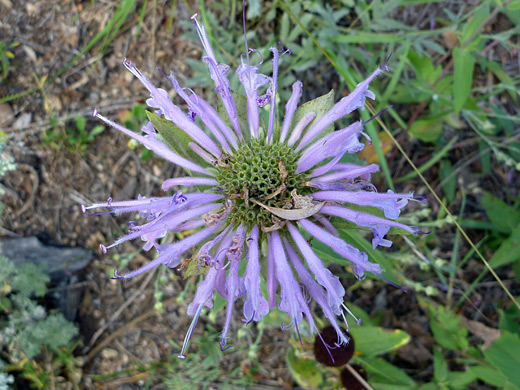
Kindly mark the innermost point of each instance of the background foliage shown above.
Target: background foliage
(452, 90)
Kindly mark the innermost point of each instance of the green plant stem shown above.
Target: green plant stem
(446, 210)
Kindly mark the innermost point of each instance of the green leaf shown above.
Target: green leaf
(321, 105)
(504, 217)
(459, 380)
(440, 367)
(174, 137)
(463, 65)
(504, 354)
(194, 269)
(446, 327)
(489, 375)
(30, 279)
(423, 67)
(509, 250)
(514, 5)
(449, 186)
(304, 371)
(427, 130)
(96, 131)
(479, 15)
(372, 341)
(510, 318)
(501, 74)
(382, 373)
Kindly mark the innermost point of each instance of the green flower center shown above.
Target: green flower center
(259, 174)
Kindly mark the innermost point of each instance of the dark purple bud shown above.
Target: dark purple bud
(328, 352)
(349, 381)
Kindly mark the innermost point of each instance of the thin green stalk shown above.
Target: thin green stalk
(447, 211)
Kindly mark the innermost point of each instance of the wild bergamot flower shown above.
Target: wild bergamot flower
(258, 187)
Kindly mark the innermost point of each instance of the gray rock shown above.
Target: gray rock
(62, 264)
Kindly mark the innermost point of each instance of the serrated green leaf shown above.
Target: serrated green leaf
(446, 327)
(504, 217)
(304, 371)
(175, 138)
(504, 355)
(427, 130)
(463, 64)
(509, 250)
(321, 105)
(372, 341)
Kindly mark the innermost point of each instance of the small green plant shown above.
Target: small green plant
(34, 344)
(75, 138)
(6, 55)
(6, 165)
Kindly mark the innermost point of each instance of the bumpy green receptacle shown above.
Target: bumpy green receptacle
(256, 168)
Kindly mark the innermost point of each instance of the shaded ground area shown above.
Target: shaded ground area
(119, 324)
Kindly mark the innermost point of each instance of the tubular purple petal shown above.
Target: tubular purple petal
(233, 285)
(326, 167)
(171, 253)
(379, 226)
(272, 285)
(201, 152)
(290, 290)
(223, 89)
(189, 333)
(194, 106)
(188, 182)
(317, 292)
(158, 147)
(388, 202)
(290, 109)
(358, 259)
(355, 100)
(252, 81)
(349, 172)
(255, 305)
(335, 290)
(167, 222)
(272, 92)
(331, 145)
(208, 111)
(160, 99)
(300, 126)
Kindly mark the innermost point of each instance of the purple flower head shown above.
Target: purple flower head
(257, 194)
